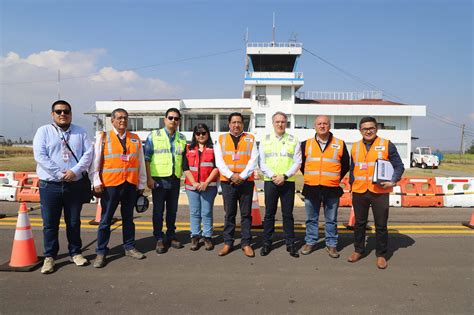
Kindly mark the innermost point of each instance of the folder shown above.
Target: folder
(383, 171)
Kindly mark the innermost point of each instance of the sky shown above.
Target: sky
(418, 52)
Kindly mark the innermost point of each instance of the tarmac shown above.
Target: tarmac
(430, 271)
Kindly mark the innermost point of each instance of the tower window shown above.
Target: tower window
(286, 93)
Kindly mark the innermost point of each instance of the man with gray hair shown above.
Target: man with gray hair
(325, 163)
(119, 176)
(280, 159)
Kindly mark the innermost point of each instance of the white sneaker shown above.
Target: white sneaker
(48, 265)
(79, 260)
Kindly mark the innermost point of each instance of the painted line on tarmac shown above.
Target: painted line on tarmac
(297, 226)
(182, 226)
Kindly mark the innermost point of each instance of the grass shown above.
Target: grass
(458, 159)
(8, 151)
(18, 164)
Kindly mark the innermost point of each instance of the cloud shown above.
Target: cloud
(29, 85)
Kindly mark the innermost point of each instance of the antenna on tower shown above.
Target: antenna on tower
(274, 27)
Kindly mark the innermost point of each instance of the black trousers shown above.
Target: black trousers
(241, 195)
(286, 193)
(380, 206)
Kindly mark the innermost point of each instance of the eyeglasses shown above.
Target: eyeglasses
(61, 111)
(175, 118)
(371, 129)
(201, 133)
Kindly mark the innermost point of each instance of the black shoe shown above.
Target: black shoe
(293, 251)
(265, 250)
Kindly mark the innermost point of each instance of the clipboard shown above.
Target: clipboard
(383, 171)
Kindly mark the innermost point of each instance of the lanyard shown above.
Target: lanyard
(123, 143)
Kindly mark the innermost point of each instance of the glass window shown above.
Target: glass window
(402, 149)
(286, 93)
(288, 122)
(153, 122)
(345, 125)
(304, 122)
(190, 121)
(259, 120)
(135, 123)
(260, 90)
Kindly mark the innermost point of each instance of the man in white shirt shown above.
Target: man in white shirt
(236, 158)
(119, 176)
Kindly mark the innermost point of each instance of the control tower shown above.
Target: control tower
(271, 79)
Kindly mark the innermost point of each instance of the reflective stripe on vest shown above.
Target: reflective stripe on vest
(244, 152)
(323, 167)
(279, 154)
(116, 171)
(360, 156)
(161, 164)
(200, 166)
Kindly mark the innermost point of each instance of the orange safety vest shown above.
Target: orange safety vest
(323, 168)
(200, 168)
(364, 165)
(117, 167)
(236, 159)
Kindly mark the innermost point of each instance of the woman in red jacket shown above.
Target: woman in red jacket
(201, 174)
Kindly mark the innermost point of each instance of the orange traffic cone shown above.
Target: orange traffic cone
(98, 213)
(24, 250)
(256, 218)
(470, 224)
(352, 220)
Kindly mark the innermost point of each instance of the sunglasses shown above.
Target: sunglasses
(201, 133)
(62, 111)
(175, 118)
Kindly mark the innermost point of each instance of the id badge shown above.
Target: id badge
(235, 157)
(283, 152)
(363, 166)
(65, 156)
(125, 157)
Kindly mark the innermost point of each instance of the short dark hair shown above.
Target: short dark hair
(235, 114)
(367, 119)
(196, 129)
(60, 102)
(118, 110)
(173, 109)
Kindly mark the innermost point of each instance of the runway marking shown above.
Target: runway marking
(299, 228)
(278, 225)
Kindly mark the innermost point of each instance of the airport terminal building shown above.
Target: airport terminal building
(272, 83)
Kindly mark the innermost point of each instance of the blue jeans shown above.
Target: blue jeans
(54, 196)
(312, 217)
(200, 209)
(165, 195)
(126, 195)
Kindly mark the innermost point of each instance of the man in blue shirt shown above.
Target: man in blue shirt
(56, 147)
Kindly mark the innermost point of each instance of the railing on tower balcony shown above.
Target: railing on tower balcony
(274, 44)
(349, 96)
(279, 75)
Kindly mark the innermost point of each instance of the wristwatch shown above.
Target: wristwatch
(285, 177)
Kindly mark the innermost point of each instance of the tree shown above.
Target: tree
(471, 149)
